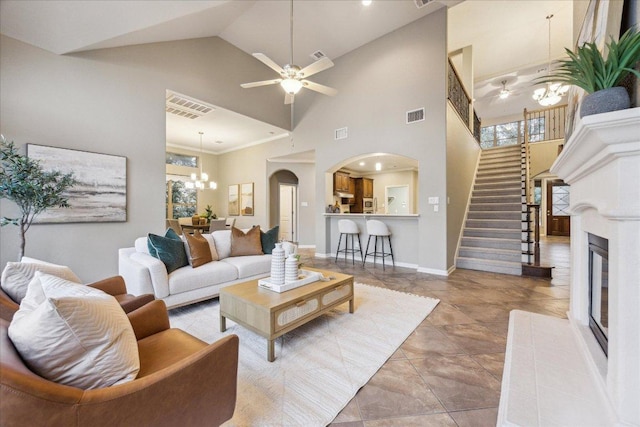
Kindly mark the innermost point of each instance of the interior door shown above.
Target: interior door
(288, 205)
(558, 218)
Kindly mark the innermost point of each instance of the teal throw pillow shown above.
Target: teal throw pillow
(168, 249)
(171, 234)
(269, 239)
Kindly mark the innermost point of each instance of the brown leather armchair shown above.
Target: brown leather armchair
(113, 286)
(182, 382)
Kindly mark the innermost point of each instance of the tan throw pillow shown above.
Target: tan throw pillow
(17, 275)
(74, 335)
(199, 250)
(246, 244)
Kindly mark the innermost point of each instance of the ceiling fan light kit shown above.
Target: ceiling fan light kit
(292, 76)
(504, 92)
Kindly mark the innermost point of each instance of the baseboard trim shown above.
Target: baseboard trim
(433, 271)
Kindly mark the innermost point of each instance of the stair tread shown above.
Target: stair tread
(492, 262)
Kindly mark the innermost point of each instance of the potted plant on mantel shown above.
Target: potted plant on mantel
(599, 77)
(34, 190)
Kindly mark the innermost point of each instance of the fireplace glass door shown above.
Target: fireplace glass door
(599, 289)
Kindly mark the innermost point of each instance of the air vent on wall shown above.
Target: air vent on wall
(415, 115)
(318, 54)
(341, 133)
(422, 3)
(182, 106)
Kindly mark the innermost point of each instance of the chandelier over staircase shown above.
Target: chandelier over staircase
(553, 92)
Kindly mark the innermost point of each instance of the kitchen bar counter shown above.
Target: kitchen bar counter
(373, 215)
(404, 233)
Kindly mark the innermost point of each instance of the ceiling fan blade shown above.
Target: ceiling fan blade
(326, 90)
(262, 83)
(320, 65)
(268, 62)
(288, 98)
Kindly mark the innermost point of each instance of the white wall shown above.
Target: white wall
(112, 101)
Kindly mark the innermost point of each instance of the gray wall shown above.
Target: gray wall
(112, 101)
(377, 84)
(463, 153)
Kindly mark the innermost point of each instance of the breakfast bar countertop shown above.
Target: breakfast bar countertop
(360, 215)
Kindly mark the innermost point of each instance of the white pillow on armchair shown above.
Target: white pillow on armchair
(17, 275)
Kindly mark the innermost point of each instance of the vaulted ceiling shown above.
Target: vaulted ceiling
(509, 38)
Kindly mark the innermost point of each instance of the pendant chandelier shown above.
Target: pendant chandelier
(201, 182)
(552, 93)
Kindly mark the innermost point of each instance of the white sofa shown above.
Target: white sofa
(145, 274)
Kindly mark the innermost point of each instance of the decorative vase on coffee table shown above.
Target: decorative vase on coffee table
(291, 269)
(277, 265)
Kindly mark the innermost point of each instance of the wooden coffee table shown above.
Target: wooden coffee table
(272, 314)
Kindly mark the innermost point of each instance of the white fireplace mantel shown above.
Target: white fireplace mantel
(601, 162)
(555, 372)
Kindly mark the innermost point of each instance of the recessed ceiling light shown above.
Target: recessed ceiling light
(378, 166)
(366, 2)
(361, 163)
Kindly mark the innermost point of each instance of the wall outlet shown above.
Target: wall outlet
(436, 208)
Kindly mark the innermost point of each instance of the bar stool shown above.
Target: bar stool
(349, 228)
(377, 229)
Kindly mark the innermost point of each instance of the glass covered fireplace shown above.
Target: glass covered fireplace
(599, 289)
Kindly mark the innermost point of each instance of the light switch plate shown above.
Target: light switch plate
(434, 200)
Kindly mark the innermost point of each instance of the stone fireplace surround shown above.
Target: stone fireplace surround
(555, 372)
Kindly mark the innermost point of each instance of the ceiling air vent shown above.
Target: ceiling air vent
(341, 133)
(415, 115)
(318, 54)
(422, 3)
(182, 106)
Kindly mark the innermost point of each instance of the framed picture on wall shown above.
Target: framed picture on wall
(100, 194)
(234, 202)
(246, 199)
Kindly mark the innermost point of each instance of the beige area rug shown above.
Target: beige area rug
(320, 366)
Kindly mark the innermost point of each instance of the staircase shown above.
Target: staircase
(491, 240)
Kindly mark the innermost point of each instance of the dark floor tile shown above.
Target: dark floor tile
(459, 382)
(476, 418)
(474, 338)
(434, 420)
(350, 413)
(426, 341)
(396, 390)
(486, 313)
(447, 314)
(492, 363)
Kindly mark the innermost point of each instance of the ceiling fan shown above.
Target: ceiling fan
(293, 78)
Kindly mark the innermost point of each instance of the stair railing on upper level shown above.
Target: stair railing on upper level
(461, 102)
(539, 125)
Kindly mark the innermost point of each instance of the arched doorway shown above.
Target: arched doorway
(283, 210)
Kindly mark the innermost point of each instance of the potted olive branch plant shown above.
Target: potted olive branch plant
(599, 77)
(30, 187)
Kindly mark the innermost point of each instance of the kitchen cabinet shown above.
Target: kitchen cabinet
(341, 182)
(363, 190)
(367, 188)
(352, 186)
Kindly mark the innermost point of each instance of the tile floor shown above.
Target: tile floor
(449, 371)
